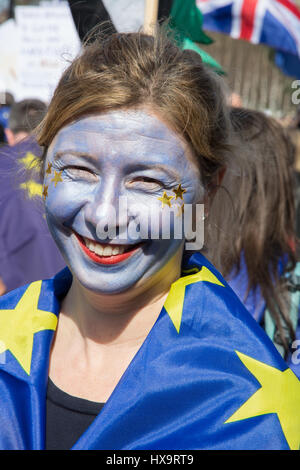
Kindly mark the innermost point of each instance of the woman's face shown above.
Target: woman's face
(115, 185)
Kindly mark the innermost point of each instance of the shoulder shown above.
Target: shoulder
(43, 293)
(214, 313)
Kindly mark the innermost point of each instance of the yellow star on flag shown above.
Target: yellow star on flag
(49, 169)
(30, 161)
(45, 192)
(179, 191)
(175, 299)
(279, 393)
(57, 177)
(18, 325)
(32, 188)
(165, 199)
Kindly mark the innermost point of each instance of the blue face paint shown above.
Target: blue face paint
(94, 163)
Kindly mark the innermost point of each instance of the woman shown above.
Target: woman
(257, 240)
(152, 350)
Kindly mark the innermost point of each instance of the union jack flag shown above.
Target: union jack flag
(272, 22)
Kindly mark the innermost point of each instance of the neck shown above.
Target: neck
(119, 318)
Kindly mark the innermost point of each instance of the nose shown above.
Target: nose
(107, 213)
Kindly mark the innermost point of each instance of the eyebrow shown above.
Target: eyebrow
(58, 155)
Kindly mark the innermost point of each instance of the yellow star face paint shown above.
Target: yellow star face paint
(45, 192)
(165, 200)
(179, 191)
(49, 169)
(57, 177)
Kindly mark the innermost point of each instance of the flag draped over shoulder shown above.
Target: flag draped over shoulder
(206, 376)
(275, 23)
(128, 15)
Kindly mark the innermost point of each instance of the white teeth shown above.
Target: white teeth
(90, 245)
(99, 249)
(107, 251)
(117, 250)
(104, 250)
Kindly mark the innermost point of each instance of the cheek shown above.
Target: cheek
(64, 201)
(196, 193)
(156, 222)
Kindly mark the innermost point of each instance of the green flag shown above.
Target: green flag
(186, 20)
(207, 59)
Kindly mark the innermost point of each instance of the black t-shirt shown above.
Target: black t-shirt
(67, 417)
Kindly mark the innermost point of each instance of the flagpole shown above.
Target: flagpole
(150, 17)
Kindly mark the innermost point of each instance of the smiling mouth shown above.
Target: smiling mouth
(104, 253)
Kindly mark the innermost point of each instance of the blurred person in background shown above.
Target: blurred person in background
(255, 234)
(2, 136)
(27, 249)
(24, 116)
(18, 121)
(21, 149)
(296, 120)
(294, 132)
(235, 100)
(6, 101)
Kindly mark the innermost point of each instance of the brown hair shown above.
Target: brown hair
(261, 225)
(132, 70)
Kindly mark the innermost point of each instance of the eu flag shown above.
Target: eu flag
(27, 250)
(206, 377)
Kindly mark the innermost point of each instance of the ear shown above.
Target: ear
(10, 137)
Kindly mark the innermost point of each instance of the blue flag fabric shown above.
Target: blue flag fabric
(28, 252)
(206, 377)
(14, 161)
(4, 115)
(288, 63)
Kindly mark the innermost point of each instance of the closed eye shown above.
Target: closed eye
(145, 183)
(79, 172)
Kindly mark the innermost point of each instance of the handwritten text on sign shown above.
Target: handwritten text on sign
(48, 41)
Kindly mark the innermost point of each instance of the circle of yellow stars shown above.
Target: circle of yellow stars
(56, 179)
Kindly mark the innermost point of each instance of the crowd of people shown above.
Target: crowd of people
(139, 110)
